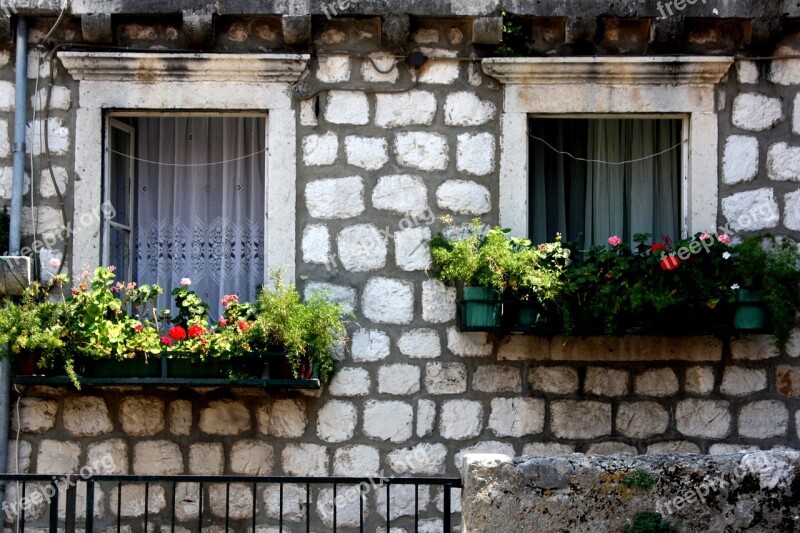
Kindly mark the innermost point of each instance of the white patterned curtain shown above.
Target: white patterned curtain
(198, 218)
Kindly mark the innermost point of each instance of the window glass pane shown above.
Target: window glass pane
(592, 178)
(119, 179)
(119, 252)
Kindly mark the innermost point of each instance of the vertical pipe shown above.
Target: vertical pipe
(15, 229)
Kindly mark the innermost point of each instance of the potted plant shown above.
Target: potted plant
(476, 259)
(535, 277)
(767, 286)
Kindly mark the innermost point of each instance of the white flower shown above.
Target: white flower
(726, 255)
(186, 282)
(735, 287)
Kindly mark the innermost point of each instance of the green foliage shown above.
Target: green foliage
(307, 330)
(649, 522)
(477, 259)
(515, 39)
(770, 266)
(639, 478)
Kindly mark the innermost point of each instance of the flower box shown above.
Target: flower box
(139, 366)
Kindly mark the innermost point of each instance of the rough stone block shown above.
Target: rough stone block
(404, 501)
(234, 501)
(198, 29)
(606, 381)
(57, 457)
(464, 197)
(467, 109)
(420, 344)
(388, 421)
(611, 448)
(142, 415)
(787, 381)
(361, 248)
(334, 68)
(97, 28)
(764, 419)
(252, 458)
(356, 461)
(426, 417)
(572, 419)
(86, 416)
(740, 159)
(320, 150)
(791, 217)
(699, 380)
(783, 162)
(133, 500)
(370, 345)
(438, 302)
(496, 378)
(516, 417)
(36, 415)
(380, 68)
(415, 107)
(642, 419)
(225, 417)
(369, 153)
(388, 301)
(468, 344)
(305, 460)
(461, 419)
(546, 449)
(747, 72)
(445, 378)
(703, 418)
(411, 251)
(554, 380)
(422, 459)
(350, 382)
(157, 457)
(294, 502)
(401, 194)
(180, 417)
(753, 348)
(286, 418)
(316, 244)
(439, 69)
(493, 447)
(206, 459)
(400, 379)
(344, 296)
(422, 150)
(475, 153)
(296, 29)
(757, 112)
(395, 29)
(656, 382)
(335, 198)
(336, 421)
(58, 136)
(347, 107)
(487, 30)
(740, 381)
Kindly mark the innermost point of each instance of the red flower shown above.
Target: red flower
(196, 330)
(223, 322)
(138, 327)
(177, 333)
(166, 341)
(244, 326)
(657, 247)
(670, 262)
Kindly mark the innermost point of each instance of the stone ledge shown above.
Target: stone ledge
(581, 493)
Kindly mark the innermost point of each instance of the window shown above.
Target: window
(616, 87)
(577, 186)
(188, 194)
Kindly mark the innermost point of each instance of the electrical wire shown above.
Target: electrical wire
(188, 165)
(600, 161)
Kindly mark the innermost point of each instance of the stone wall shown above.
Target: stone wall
(384, 152)
(741, 492)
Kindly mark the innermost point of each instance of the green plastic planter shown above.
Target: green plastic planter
(481, 308)
(134, 367)
(179, 367)
(750, 312)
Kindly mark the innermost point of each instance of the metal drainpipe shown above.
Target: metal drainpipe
(15, 223)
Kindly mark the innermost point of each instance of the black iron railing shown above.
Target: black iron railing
(110, 503)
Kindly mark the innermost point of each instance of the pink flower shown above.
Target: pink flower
(54, 262)
(705, 237)
(222, 321)
(166, 341)
(186, 282)
(724, 238)
(228, 299)
(138, 327)
(614, 240)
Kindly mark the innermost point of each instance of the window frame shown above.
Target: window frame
(112, 117)
(612, 86)
(685, 139)
(185, 83)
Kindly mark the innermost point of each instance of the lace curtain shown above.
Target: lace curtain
(202, 222)
(588, 202)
